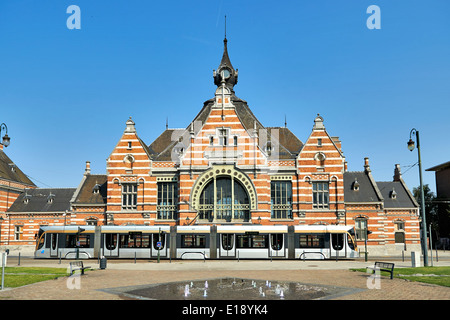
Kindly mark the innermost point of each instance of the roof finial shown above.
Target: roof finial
(225, 26)
(285, 121)
(167, 123)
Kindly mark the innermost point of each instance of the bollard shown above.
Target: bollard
(19, 259)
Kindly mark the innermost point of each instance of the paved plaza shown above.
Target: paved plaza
(121, 275)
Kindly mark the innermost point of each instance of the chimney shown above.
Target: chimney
(397, 173)
(366, 165)
(88, 168)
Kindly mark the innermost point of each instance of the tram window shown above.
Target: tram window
(350, 242)
(193, 241)
(156, 240)
(312, 241)
(111, 241)
(227, 241)
(277, 241)
(337, 240)
(134, 241)
(41, 241)
(252, 241)
(83, 241)
(54, 240)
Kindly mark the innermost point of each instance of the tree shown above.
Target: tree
(431, 208)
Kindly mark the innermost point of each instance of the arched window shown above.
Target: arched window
(224, 198)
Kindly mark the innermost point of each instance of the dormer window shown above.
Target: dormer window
(50, 198)
(96, 188)
(393, 194)
(269, 147)
(355, 185)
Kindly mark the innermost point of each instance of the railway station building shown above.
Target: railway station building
(226, 168)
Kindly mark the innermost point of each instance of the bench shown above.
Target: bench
(77, 265)
(383, 266)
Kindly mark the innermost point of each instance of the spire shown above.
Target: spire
(225, 72)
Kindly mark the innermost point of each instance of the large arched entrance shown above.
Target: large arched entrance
(223, 194)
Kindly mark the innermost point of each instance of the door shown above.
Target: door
(276, 247)
(337, 245)
(53, 245)
(159, 244)
(111, 246)
(227, 245)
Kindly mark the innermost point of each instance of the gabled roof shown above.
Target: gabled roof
(402, 198)
(9, 171)
(367, 191)
(43, 200)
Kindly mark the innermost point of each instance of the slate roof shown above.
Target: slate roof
(402, 199)
(287, 144)
(367, 190)
(86, 194)
(9, 171)
(38, 200)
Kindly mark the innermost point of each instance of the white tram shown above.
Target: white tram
(197, 242)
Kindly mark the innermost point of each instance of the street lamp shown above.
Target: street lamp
(422, 198)
(6, 138)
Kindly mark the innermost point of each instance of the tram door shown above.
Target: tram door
(227, 245)
(111, 245)
(337, 245)
(276, 248)
(53, 244)
(159, 243)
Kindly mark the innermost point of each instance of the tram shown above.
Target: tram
(197, 242)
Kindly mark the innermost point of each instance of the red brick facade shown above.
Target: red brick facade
(227, 168)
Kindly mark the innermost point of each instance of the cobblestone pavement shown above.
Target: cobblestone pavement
(127, 273)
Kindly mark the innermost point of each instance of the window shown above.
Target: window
(281, 199)
(399, 226)
(134, 241)
(312, 240)
(129, 144)
(211, 141)
(320, 195)
(361, 228)
(91, 222)
(18, 232)
(225, 197)
(223, 137)
(77, 241)
(235, 140)
(319, 142)
(252, 241)
(167, 200)
(129, 196)
(193, 241)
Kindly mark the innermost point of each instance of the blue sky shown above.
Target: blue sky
(65, 95)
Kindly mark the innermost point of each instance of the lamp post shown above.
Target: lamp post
(422, 198)
(6, 139)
